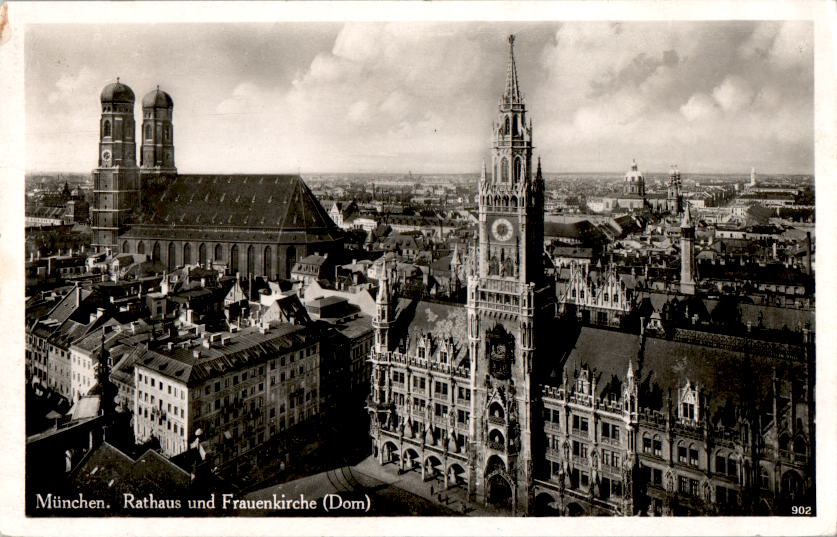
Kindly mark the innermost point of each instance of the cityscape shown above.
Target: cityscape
(506, 338)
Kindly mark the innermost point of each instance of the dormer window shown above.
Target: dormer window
(583, 384)
(689, 403)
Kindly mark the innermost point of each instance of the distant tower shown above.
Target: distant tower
(687, 253)
(116, 179)
(675, 191)
(634, 181)
(157, 153)
(752, 177)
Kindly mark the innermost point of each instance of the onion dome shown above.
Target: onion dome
(157, 99)
(117, 93)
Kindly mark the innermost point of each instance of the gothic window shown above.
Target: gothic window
(141, 247)
(167, 133)
(125, 247)
(799, 446)
(784, 442)
(764, 478)
(504, 170)
(219, 253)
(267, 263)
(155, 252)
(147, 131)
(106, 129)
(251, 265)
(290, 259)
(507, 129)
(171, 257)
(234, 258)
(516, 126)
(187, 254)
(518, 169)
(202, 254)
(658, 446)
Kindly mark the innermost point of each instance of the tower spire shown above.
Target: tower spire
(512, 93)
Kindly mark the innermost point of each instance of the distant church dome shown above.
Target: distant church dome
(633, 174)
(117, 93)
(157, 99)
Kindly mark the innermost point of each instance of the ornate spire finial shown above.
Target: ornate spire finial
(117, 80)
(158, 87)
(512, 93)
(687, 216)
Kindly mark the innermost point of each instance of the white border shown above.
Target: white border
(12, 154)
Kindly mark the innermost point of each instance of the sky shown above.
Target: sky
(421, 97)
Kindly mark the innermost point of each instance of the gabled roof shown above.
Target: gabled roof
(193, 205)
(724, 376)
(416, 318)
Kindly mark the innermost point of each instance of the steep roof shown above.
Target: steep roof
(416, 318)
(254, 207)
(724, 375)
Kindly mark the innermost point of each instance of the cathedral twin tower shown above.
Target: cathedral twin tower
(118, 182)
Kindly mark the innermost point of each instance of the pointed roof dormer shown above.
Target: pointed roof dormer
(512, 92)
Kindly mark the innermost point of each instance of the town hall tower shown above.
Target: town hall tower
(508, 302)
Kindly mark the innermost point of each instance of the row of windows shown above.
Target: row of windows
(162, 386)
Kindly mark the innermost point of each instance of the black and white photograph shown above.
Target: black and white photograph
(410, 266)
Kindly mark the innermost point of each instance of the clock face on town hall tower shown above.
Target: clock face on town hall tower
(502, 230)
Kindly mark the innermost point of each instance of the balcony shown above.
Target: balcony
(496, 420)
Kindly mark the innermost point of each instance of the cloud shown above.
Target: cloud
(733, 94)
(422, 96)
(246, 97)
(699, 106)
(69, 86)
(793, 46)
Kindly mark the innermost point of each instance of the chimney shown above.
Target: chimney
(49, 266)
(77, 292)
(100, 312)
(190, 316)
(642, 326)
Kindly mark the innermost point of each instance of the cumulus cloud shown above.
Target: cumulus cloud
(422, 96)
(681, 88)
(699, 106)
(68, 86)
(733, 94)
